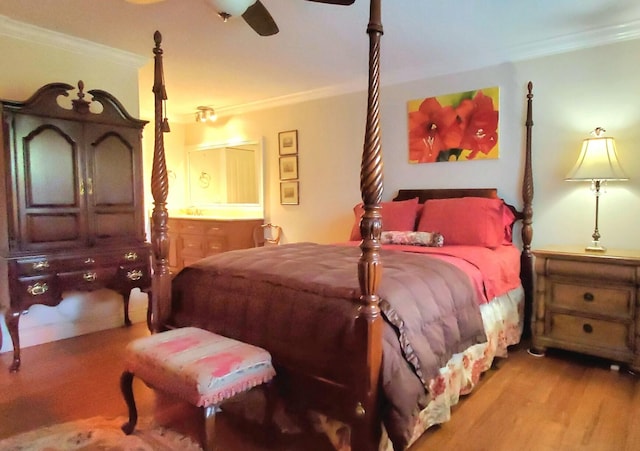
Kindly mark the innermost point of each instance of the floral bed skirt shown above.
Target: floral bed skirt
(503, 322)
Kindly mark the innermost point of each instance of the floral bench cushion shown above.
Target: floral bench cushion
(200, 367)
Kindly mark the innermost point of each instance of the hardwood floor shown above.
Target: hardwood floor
(561, 402)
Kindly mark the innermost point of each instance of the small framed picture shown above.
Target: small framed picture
(289, 167)
(289, 193)
(288, 142)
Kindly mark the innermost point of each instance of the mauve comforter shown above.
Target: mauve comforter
(299, 301)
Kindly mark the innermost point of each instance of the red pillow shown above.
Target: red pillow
(472, 221)
(397, 216)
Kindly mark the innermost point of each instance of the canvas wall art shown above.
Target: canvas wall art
(454, 127)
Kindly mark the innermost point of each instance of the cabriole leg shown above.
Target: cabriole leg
(209, 428)
(125, 300)
(12, 320)
(126, 386)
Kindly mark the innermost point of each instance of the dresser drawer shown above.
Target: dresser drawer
(28, 291)
(589, 331)
(610, 301)
(193, 246)
(132, 276)
(87, 279)
(32, 266)
(208, 227)
(191, 227)
(215, 245)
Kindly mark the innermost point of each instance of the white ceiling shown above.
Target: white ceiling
(322, 49)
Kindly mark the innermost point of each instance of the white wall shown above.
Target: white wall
(573, 93)
(31, 58)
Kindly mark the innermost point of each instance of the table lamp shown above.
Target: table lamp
(597, 163)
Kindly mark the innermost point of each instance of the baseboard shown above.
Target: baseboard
(79, 314)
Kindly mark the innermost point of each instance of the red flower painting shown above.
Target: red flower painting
(454, 127)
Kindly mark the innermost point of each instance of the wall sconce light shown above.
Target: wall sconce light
(205, 114)
(597, 163)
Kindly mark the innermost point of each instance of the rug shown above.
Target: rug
(99, 433)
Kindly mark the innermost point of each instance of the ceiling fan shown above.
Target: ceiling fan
(253, 12)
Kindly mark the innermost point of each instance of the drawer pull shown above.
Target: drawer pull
(89, 261)
(89, 276)
(41, 265)
(37, 289)
(136, 274)
(588, 297)
(130, 256)
(588, 328)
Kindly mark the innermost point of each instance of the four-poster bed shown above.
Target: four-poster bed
(345, 377)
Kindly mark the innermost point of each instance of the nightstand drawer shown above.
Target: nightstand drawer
(615, 302)
(591, 271)
(589, 331)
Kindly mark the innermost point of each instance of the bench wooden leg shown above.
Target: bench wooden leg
(209, 428)
(126, 387)
(271, 395)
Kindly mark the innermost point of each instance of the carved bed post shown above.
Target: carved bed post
(366, 426)
(161, 285)
(526, 259)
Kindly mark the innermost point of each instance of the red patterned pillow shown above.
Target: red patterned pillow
(473, 221)
(399, 216)
(426, 239)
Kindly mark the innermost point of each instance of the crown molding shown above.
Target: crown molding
(41, 36)
(298, 97)
(577, 41)
(547, 47)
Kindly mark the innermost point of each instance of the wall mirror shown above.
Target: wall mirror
(226, 174)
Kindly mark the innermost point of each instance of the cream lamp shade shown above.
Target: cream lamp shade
(598, 160)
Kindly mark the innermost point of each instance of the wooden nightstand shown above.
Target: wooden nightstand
(588, 302)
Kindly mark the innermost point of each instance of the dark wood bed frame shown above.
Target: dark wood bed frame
(355, 403)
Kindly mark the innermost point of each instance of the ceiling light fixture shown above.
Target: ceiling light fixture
(205, 114)
(231, 8)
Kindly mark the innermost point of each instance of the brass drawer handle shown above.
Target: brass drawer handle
(37, 289)
(40, 266)
(89, 276)
(136, 274)
(587, 328)
(130, 256)
(588, 297)
(89, 261)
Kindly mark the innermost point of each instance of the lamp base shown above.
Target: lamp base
(595, 247)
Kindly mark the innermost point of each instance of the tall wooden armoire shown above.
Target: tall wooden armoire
(71, 205)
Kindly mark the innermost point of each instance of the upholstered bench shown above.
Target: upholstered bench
(197, 366)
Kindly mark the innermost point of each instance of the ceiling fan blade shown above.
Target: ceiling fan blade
(334, 2)
(260, 20)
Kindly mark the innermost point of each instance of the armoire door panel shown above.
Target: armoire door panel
(51, 174)
(47, 161)
(113, 175)
(112, 225)
(52, 228)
